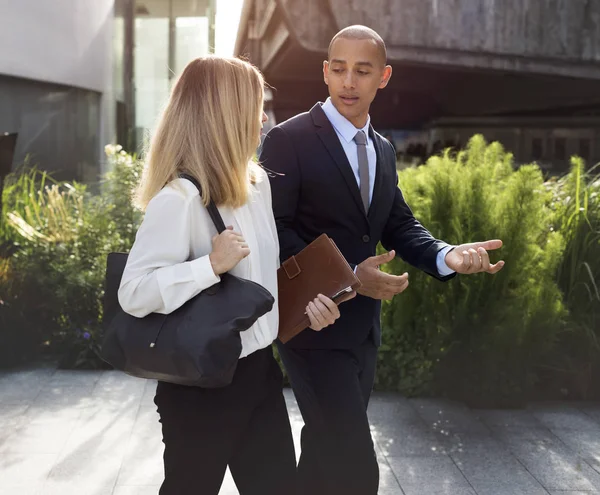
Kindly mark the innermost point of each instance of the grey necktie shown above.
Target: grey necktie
(363, 167)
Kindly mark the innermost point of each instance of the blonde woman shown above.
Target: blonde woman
(210, 130)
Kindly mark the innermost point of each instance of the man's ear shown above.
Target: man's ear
(387, 74)
(326, 71)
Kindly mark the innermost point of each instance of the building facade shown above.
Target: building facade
(56, 87)
(76, 75)
(502, 66)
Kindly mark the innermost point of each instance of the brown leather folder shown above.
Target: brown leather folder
(320, 268)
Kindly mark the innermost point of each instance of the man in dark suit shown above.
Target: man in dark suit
(334, 174)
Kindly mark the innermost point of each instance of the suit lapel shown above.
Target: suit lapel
(378, 173)
(330, 139)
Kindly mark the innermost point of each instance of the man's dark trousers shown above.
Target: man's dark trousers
(332, 387)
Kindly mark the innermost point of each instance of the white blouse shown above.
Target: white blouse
(176, 228)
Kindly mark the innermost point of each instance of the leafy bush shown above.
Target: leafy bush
(489, 340)
(575, 365)
(60, 236)
(477, 338)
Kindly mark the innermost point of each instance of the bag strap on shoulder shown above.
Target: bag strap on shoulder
(212, 208)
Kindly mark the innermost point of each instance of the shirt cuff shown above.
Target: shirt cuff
(203, 272)
(442, 267)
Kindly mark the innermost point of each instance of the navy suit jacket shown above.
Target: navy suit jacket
(315, 191)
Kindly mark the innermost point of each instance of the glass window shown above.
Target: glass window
(584, 148)
(560, 148)
(118, 57)
(191, 40)
(151, 69)
(537, 149)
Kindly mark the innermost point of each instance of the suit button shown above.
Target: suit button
(366, 238)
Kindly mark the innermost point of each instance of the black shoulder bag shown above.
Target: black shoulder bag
(199, 343)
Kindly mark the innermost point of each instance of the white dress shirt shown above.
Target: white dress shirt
(346, 131)
(176, 228)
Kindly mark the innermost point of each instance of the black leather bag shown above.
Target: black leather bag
(199, 343)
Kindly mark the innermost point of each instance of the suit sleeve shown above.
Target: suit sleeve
(411, 241)
(278, 156)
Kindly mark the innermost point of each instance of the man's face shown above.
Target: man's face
(354, 73)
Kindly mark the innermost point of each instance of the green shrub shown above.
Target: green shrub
(28, 305)
(489, 340)
(61, 235)
(478, 338)
(575, 365)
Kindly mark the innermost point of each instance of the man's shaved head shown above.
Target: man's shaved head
(358, 32)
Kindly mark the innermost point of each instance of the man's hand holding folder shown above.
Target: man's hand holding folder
(320, 268)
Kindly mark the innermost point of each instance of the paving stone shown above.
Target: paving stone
(141, 468)
(29, 489)
(391, 409)
(397, 440)
(86, 467)
(146, 435)
(97, 433)
(50, 414)
(75, 396)
(74, 378)
(388, 484)
(149, 393)
(137, 490)
(147, 423)
(24, 470)
(562, 492)
(447, 416)
(510, 417)
(563, 416)
(28, 377)
(551, 462)
(431, 475)
(508, 487)
(584, 443)
(102, 433)
(37, 439)
(67, 488)
(490, 467)
(591, 410)
(11, 415)
(18, 394)
(112, 390)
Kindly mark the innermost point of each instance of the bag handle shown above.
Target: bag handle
(212, 208)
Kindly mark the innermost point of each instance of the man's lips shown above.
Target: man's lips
(349, 99)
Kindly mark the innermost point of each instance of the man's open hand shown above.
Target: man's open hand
(474, 258)
(377, 284)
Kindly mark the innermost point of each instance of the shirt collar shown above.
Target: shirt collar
(342, 125)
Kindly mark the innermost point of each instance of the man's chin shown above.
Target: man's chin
(350, 113)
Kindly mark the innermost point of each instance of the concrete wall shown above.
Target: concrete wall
(58, 51)
(560, 37)
(58, 126)
(563, 29)
(59, 41)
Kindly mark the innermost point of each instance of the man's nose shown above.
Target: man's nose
(349, 80)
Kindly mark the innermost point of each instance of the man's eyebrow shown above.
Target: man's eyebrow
(368, 64)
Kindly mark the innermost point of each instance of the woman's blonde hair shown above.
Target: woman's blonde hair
(209, 129)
